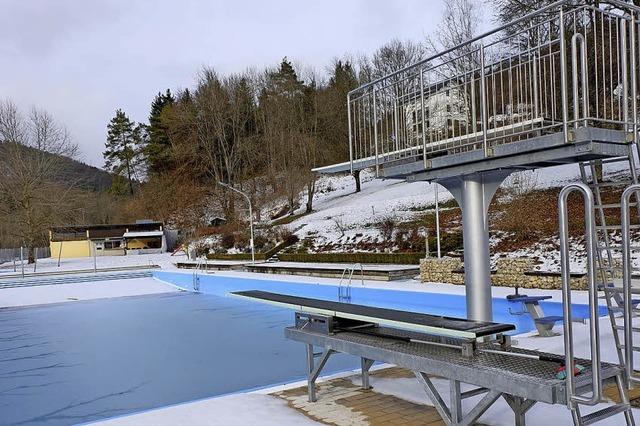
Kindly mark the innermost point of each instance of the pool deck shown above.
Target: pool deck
(396, 398)
(378, 272)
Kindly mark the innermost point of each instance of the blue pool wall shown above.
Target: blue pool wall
(453, 305)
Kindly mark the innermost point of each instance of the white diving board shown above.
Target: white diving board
(413, 321)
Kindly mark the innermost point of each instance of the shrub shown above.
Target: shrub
(228, 241)
(387, 226)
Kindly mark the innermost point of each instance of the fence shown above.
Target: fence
(9, 254)
(504, 86)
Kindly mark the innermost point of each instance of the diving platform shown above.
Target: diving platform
(555, 86)
(458, 350)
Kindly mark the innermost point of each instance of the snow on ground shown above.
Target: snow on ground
(241, 409)
(46, 294)
(164, 260)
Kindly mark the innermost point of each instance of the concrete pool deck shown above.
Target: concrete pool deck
(396, 398)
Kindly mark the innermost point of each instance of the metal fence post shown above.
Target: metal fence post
(483, 102)
(424, 129)
(350, 131)
(375, 129)
(563, 79)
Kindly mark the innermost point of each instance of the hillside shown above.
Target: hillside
(85, 176)
(390, 215)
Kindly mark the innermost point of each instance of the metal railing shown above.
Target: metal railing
(504, 86)
(344, 290)
(594, 330)
(201, 262)
(627, 268)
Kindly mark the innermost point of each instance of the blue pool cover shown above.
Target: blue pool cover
(78, 362)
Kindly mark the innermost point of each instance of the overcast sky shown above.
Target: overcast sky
(82, 59)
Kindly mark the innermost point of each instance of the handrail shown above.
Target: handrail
(585, 78)
(625, 221)
(347, 287)
(594, 331)
(196, 278)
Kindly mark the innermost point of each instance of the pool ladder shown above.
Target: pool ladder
(200, 264)
(576, 397)
(344, 288)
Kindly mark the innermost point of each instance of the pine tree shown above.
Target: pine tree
(157, 150)
(123, 148)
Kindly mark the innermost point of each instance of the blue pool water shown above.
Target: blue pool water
(78, 362)
(453, 305)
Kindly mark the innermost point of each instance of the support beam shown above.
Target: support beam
(474, 193)
(314, 370)
(365, 365)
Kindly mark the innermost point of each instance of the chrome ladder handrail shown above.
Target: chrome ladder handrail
(347, 287)
(594, 330)
(625, 222)
(196, 279)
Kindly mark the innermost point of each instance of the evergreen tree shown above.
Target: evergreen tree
(123, 148)
(157, 149)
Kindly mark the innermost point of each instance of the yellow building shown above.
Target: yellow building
(141, 237)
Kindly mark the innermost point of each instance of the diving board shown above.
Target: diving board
(414, 321)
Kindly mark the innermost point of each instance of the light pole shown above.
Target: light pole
(253, 254)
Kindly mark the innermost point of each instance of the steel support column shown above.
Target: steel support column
(473, 193)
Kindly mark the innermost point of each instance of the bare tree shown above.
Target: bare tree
(460, 23)
(34, 192)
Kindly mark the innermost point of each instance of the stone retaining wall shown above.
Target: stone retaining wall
(441, 270)
(509, 273)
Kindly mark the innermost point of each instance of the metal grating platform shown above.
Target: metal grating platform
(517, 376)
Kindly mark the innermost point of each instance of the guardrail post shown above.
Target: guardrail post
(563, 79)
(350, 132)
(483, 103)
(375, 129)
(424, 129)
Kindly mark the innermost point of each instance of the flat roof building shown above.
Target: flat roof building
(141, 237)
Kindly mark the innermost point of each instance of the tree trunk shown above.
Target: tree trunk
(311, 189)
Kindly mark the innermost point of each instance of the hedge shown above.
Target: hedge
(235, 256)
(247, 256)
(394, 258)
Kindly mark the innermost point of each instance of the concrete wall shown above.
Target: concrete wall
(71, 248)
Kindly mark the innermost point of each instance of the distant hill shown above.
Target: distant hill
(88, 177)
(85, 176)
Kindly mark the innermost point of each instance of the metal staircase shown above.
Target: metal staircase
(591, 393)
(608, 233)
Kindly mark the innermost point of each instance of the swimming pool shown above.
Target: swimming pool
(77, 362)
(453, 305)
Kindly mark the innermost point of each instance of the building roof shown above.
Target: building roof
(143, 234)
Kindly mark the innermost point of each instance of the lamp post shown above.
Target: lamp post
(253, 254)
